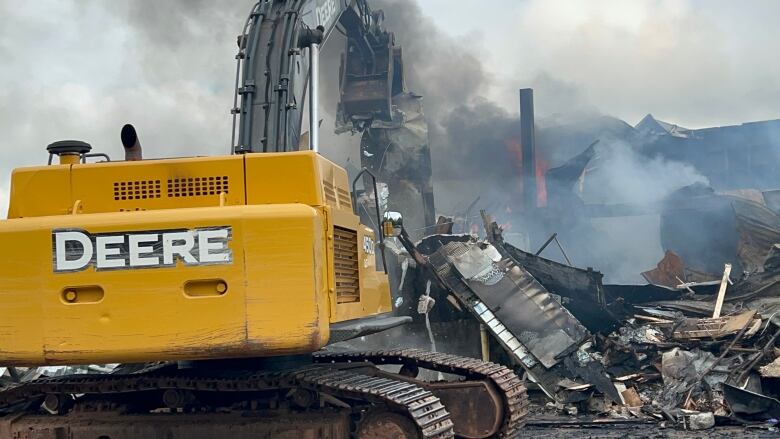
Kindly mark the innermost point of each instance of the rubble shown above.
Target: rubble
(771, 370)
(697, 328)
(690, 350)
(746, 404)
(699, 421)
(12, 375)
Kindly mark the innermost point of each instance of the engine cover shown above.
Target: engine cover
(215, 282)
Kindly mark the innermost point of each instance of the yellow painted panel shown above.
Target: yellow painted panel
(290, 177)
(40, 190)
(158, 184)
(374, 287)
(275, 300)
(276, 297)
(296, 177)
(335, 185)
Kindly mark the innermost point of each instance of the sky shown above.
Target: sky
(697, 63)
(82, 68)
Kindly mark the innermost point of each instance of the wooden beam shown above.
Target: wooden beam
(722, 291)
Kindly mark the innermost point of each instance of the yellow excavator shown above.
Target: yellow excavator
(216, 282)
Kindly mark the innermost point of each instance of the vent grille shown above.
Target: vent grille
(330, 193)
(137, 190)
(197, 186)
(336, 196)
(344, 198)
(345, 255)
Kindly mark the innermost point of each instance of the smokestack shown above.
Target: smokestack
(528, 143)
(130, 142)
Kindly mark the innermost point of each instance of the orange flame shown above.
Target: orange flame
(541, 182)
(515, 150)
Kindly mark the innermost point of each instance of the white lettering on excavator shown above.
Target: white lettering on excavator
(368, 245)
(75, 250)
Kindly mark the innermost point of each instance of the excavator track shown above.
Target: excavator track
(419, 405)
(511, 388)
(375, 397)
(422, 406)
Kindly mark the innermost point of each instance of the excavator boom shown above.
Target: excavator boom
(272, 73)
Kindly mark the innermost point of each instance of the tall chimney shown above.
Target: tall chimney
(528, 143)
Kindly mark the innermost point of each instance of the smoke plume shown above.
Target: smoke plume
(620, 174)
(477, 159)
(82, 68)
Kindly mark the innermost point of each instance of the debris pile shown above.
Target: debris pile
(10, 376)
(689, 350)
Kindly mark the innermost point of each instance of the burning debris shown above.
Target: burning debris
(691, 348)
(614, 353)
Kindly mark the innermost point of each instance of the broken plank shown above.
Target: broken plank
(722, 291)
(653, 319)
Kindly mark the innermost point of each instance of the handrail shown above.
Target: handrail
(378, 211)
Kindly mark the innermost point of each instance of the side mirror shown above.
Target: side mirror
(392, 223)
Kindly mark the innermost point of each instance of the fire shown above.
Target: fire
(541, 183)
(515, 150)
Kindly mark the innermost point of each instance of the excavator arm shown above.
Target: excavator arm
(277, 49)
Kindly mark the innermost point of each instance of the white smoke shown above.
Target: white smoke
(621, 175)
(623, 247)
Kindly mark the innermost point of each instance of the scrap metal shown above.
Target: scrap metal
(648, 352)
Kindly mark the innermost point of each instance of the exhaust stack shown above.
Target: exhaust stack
(130, 142)
(314, 99)
(312, 39)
